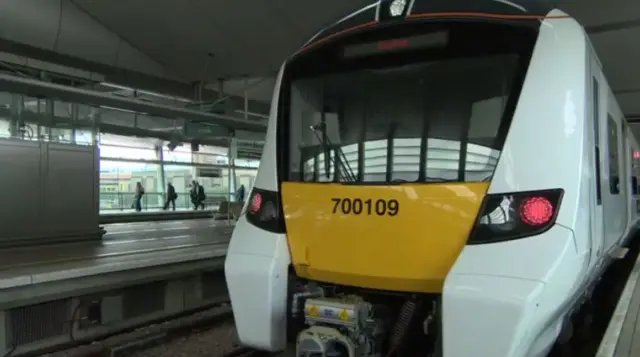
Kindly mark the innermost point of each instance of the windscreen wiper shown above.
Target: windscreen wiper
(345, 168)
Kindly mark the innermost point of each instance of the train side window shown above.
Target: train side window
(596, 138)
(633, 155)
(614, 165)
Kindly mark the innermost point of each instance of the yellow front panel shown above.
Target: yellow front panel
(412, 250)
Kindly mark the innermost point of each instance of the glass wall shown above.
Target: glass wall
(182, 176)
(126, 160)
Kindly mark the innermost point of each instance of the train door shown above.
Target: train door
(613, 184)
(596, 217)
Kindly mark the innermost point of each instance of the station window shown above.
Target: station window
(614, 165)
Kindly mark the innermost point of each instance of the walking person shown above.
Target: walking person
(138, 197)
(193, 194)
(201, 196)
(171, 197)
(240, 194)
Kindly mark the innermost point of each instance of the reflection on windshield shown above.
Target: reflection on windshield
(442, 165)
(425, 122)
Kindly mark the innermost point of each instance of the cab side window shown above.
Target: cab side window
(614, 165)
(596, 140)
(634, 170)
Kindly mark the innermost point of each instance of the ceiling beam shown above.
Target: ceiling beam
(38, 88)
(613, 26)
(122, 76)
(626, 91)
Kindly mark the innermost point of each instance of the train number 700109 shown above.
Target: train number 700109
(357, 206)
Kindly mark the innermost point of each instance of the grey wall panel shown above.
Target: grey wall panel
(69, 205)
(60, 26)
(40, 14)
(49, 190)
(21, 190)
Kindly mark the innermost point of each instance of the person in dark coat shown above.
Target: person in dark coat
(240, 194)
(201, 196)
(137, 200)
(171, 197)
(193, 194)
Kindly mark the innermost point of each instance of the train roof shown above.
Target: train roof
(380, 11)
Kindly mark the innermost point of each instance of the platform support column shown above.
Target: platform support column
(39, 130)
(49, 113)
(174, 298)
(246, 98)
(74, 120)
(163, 179)
(4, 344)
(94, 115)
(232, 154)
(50, 110)
(17, 105)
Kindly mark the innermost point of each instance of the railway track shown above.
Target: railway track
(142, 340)
(246, 352)
(146, 337)
(591, 323)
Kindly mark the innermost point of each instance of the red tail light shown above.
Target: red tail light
(536, 211)
(255, 203)
(264, 210)
(510, 216)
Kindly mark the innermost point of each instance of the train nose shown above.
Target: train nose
(399, 237)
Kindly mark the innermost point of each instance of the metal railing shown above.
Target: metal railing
(115, 202)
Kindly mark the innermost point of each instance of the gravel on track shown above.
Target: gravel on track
(220, 335)
(214, 342)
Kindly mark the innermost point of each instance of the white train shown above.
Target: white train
(449, 175)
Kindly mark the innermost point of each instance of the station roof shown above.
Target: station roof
(171, 44)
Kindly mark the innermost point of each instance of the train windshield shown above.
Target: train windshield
(386, 112)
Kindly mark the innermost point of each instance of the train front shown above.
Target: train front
(381, 148)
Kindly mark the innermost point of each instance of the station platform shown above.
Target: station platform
(139, 272)
(125, 247)
(622, 337)
(123, 216)
(167, 230)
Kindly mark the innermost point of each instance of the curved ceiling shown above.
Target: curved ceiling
(61, 26)
(192, 40)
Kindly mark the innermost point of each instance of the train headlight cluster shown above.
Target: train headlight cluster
(516, 215)
(263, 210)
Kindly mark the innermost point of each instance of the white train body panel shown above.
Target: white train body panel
(257, 263)
(524, 288)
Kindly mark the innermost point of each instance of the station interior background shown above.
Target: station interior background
(174, 91)
(126, 160)
(196, 55)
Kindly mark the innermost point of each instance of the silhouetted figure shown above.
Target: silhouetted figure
(193, 194)
(240, 194)
(171, 197)
(138, 197)
(201, 196)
